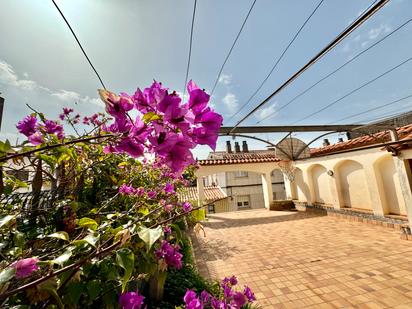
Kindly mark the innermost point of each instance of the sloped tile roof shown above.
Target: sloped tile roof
(253, 156)
(404, 133)
(212, 193)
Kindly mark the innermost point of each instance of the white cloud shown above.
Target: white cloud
(9, 77)
(267, 111)
(230, 101)
(65, 95)
(375, 32)
(225, 79)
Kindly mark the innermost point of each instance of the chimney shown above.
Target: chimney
(245, 147)
(237, 147)
(325, 142)
(340, 140)
(228, 147)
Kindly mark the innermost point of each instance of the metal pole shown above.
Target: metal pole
(1, 110)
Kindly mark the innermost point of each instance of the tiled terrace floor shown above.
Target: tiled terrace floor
(298, 260)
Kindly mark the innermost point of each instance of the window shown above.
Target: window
(239, 174)
(243, 201)
(211, 209)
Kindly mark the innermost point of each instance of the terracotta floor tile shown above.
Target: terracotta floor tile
(307, 260)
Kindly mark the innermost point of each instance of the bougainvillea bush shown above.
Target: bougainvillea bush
(99, 227)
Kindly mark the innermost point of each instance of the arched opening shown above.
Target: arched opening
(352, 185)
(388, 177)
(320, 181)
(278, 185)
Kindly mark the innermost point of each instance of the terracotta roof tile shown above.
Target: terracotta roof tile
(212, 193)
(404, 133)
(253, 156)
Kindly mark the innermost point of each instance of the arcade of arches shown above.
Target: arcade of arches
(370, 180)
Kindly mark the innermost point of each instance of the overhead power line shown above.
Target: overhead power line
(384, 117)
(319, 55)
(80, 45)
(190, 47)
(336, 70)
(354, 90)
(277, 61)
(231, 48)
(373, 109)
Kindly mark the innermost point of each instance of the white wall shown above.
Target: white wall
(353, 185)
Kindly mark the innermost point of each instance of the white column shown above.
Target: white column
(200, 190)
(312, 196)
(334, 186)
(402, 169)
(267, 189)
(373, 188)
(290, 188)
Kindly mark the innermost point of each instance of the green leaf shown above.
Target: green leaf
(6, 219)
(49, 160)
(151, 116)
(125, 259)
(92, 239)
(60, 235)
(93, 288)
(87, 222)
(73, 293)
(6, 274)
(63, 258)
(50, 287)
(149, 236)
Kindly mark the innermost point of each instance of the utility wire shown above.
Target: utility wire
(383, 117)
(231, 48)
(318, 56)
(372, 109)
(336, 70)
(277, 61)
(80, 45)
(354, 90)
(190, 47)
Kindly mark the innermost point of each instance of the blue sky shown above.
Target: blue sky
(133, 42)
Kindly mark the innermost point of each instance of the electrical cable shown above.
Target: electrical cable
(379, 4)
(190, 47)
(354, 90)
(80, 45)
(336, 70)
(277, 61)
(372, 109)
(231, 48)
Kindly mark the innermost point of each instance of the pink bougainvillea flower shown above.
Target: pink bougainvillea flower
(198, 98)
(239, 299)
(187, 207)
(27, 125)
(53, 127)
(67, 111)
(249, 294)
(151, 194)
(169, 188)
(168, 207)
(116, 105)
(126, 190)
(25, 267)
(170, 254)
(131, 300)
(36, 138)
(130, 146)
(147, 100)
(167, 229)
(192, 301)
